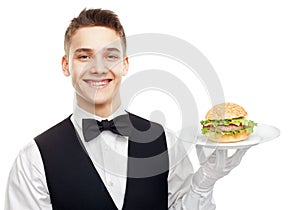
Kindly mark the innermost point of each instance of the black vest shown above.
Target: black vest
(74, 183)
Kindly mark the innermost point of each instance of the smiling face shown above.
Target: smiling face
(96, 63)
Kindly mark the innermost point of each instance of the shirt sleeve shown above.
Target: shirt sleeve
(181, 193)
(26, 187)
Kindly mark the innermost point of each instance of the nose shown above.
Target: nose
(96, 65)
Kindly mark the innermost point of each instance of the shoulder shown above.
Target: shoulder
(26, 183)
(143, 124)
(56, 129)
(139, 119)
(29, 159)
(30, 151)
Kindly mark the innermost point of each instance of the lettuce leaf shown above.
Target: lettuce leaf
(205, 130)
(236, 121)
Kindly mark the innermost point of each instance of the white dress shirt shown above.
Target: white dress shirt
(27, 187)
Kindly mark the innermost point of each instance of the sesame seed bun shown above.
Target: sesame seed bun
(225, 111)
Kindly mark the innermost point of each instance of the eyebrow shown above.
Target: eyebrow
(111, 49)
(90, 50)
(83, 50)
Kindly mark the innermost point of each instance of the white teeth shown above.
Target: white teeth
(98, 83)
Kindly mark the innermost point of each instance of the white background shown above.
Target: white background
(254, 47)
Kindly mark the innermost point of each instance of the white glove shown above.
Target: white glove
(214, 166)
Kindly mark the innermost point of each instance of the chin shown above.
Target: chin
(100, 99)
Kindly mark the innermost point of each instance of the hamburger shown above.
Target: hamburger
(227, 123)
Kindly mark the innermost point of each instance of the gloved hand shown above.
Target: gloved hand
(215, 164)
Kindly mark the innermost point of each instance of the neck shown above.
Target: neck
(101, 110)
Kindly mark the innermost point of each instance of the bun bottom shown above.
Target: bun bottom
(220, 138)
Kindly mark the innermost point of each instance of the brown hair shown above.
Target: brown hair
(94, 17)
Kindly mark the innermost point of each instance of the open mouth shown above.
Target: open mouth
(98, 83)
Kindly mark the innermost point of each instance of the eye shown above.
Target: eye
(112, 57)
(83, 57)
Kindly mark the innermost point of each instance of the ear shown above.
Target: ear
(126, 66)
(65, 66)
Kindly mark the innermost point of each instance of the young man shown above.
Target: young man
(102, 157)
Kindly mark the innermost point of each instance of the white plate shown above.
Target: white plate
(262, 133)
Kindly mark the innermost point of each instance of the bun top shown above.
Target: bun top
(225, 111)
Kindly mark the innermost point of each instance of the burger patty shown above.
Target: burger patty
(226, 127)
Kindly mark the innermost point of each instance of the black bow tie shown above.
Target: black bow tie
(91, 128)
